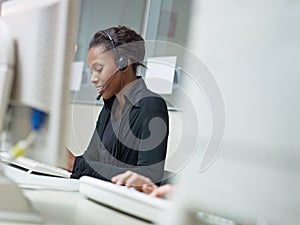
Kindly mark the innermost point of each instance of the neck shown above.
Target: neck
(127, 81)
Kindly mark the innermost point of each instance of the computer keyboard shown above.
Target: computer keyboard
(121, 198)
(39, 182)
(33, 166)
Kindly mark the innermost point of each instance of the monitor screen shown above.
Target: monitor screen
(45, 33)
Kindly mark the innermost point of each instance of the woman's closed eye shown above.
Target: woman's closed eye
(97, 70)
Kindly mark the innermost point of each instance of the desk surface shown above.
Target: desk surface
(61, 208)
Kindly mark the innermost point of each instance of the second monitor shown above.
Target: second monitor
(45, 33)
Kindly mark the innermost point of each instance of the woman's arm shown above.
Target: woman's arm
(154, 139)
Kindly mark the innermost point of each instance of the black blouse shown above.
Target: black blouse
(138, 139)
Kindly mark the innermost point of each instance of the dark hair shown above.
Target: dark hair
(127, 42)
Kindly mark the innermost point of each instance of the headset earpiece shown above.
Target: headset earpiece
(121, 61)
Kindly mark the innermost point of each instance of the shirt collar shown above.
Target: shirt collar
(133, 94)
(136, 92)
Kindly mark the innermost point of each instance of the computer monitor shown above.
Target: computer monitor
(254, 178)
(235, 191)
(7, 66)
(45, 33)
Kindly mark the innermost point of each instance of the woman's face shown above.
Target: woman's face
(103, 71)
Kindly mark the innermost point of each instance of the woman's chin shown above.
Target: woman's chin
(106, 95)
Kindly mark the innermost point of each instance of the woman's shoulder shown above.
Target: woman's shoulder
(153, 104)
(150, 97)
(140, 95)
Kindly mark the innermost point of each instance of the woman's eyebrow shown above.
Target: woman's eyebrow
(95, 64)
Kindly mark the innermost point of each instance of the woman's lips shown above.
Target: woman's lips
(100, 89)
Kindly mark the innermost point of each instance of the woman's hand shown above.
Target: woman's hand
(162, 190)
(137, 181)
(141, 183)
(71, 160)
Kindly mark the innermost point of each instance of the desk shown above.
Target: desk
(65, 206)
(72, 208)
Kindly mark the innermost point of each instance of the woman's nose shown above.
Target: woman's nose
(94, 78)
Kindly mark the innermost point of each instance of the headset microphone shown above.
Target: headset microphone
(98, 96)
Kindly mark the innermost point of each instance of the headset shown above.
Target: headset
(121, 61)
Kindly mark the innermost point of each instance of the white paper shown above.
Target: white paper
(76, 75)
(160, 74)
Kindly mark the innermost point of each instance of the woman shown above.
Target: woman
(132, 127)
